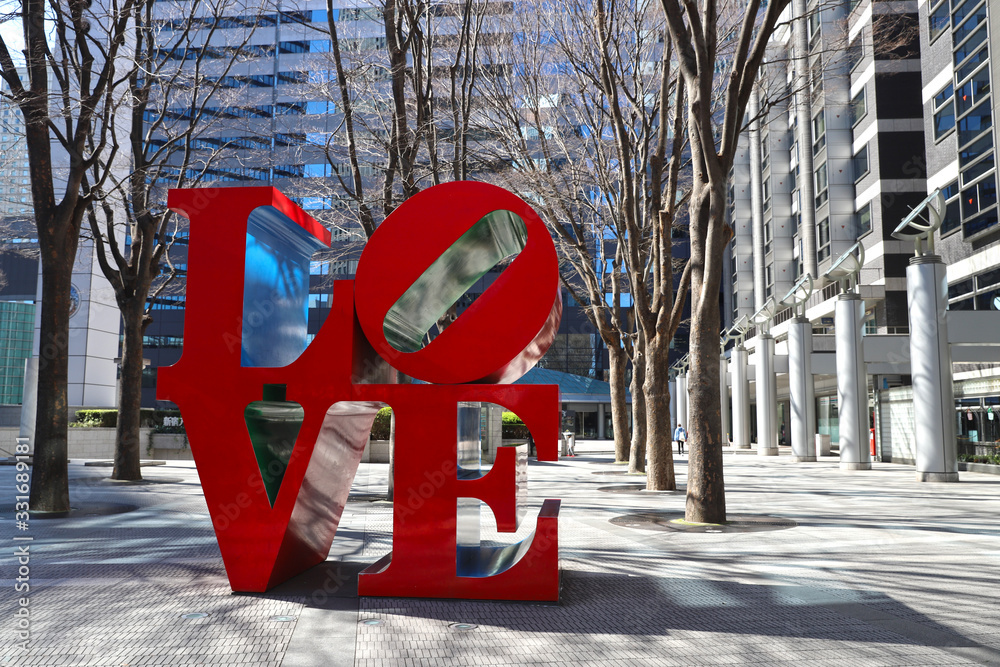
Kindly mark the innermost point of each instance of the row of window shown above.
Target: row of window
(980, 292)
(963, 109)
(297, 108)
(267, 20)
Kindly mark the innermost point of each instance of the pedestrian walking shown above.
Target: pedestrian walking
(681, 436)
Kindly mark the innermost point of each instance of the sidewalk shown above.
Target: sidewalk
(866, 568)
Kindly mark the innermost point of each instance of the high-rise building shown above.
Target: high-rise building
(865, 108)
(15, 189)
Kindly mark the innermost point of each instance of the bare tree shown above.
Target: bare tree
(694, 32)
(399, 81)
(178, 113)
(70, 56)
(589, 130)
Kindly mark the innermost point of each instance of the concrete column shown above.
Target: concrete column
(682, 401)
(724, 398)
(756, 203)
(852, 384)
(930, 362)
(600, 421)
(767, 397)
(673, 404)
(741, 399)
(803, 121)
(802, 395)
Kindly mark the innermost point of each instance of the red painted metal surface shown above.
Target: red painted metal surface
(340, 380)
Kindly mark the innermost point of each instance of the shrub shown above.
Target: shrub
(380, 429)
(108, 418)
(97, 418)
(513, 427)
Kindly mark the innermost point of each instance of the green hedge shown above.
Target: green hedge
(988, 458)
(109, 418)
(513, 427)
(380, 429)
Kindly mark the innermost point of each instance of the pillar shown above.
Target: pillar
(801, 392)
(852, 384)
(682, 401)
(767, 397)
(600, 421)
(673, 404)
(741, 399)
(724, 399)
(930, 363)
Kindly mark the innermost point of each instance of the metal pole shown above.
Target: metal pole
(930, 362)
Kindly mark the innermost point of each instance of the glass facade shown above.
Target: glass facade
(17, 325)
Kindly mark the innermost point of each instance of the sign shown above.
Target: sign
(278, 427)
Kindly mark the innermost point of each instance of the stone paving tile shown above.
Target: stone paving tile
(880, 570)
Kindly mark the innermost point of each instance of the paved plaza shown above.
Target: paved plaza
(831, 568)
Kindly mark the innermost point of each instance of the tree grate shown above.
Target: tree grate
(673, 522)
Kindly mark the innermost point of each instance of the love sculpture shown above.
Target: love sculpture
(278, 427)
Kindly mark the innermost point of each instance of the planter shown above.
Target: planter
(376, 451)
(986, 468)
(169, 441)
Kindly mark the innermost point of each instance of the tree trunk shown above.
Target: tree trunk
(390, 490)
(128, 448)
(659, 431)
(706, 498)
(619, 406)
(637, 457)
(50, 472)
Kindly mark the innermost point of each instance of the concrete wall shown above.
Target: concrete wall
(83, 443)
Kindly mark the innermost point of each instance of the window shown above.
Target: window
(978, 169)
(938, 19)
(861, 163)
(769, 281)
(823, 239)
(859, 107)
(952, 216)
(970, 45)
(985, 295)
(975, 61)
(944, 112)
(979, 197)
(960, 289)
(975, 123)
(865, 219)
(319, 301)
(972, 91)
(821, 182)
(975, 15)
(765, 152)
(767, 193)
(975, 150)
(819, 132)
(855, 53)
(305, 46)
(289, 78)
(988, 279)
(814, 29)
(816, 76)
